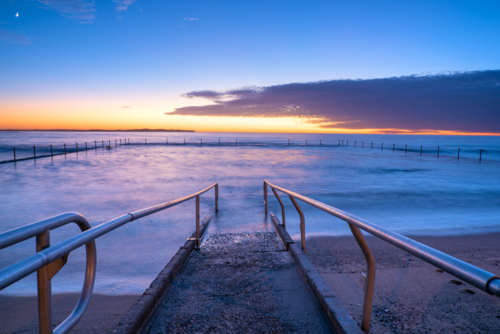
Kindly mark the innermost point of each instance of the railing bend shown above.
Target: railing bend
(473, 275)
(41, 230)
(49, 259)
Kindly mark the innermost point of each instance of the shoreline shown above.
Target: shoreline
(442, 232)
(412, 296)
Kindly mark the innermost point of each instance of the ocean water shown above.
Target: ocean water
(410, 193)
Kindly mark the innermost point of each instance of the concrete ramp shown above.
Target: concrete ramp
(238, 283)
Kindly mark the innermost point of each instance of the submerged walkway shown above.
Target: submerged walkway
(236, 283)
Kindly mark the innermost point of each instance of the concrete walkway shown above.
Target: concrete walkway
(238, 283)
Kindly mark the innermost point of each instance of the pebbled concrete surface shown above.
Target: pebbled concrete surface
(141, 310)
(338, 316)
(238, 282)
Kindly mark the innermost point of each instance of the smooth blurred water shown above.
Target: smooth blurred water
(470, 146)
(408, 193)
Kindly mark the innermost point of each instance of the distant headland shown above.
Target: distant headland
(97, 130)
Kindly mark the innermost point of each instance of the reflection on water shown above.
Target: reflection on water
(407, 193)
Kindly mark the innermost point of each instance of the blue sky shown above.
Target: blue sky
(140, 51)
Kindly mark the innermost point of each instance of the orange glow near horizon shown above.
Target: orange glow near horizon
(112, 116)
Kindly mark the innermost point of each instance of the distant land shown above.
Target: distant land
(96, 130)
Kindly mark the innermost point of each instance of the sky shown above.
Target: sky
(251, 66)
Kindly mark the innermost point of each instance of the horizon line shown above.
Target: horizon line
(98, 130)
(365, 132)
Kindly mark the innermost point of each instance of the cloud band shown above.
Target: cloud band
(465, 101)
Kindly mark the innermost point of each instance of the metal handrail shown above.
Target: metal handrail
(46, 255)
(41, 230)
(473, 275)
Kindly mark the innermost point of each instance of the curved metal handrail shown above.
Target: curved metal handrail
(32, 230)
(46, 256)
(41, 231)
(473, 275)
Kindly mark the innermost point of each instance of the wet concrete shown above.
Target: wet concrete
(238, 282)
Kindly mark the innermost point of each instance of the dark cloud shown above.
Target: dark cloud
(242, 93)
(208, 94)
(466, 101)
(76, 9)
(12, 37)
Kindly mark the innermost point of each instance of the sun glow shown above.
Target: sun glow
(110, 115)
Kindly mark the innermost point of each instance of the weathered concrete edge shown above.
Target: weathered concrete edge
(285, 237)
(140, 311)
(338, 316)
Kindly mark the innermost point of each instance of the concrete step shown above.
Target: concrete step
(238, 282)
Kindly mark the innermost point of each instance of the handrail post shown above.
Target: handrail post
(282, 207)
(217, 197)
(302, 224)
(44, 288)
(458, 153)
(198, 222)
(34, 152)
(15, 159)
(265, 196)
(86, 148)
(480, 154)
(103, 144)
(420, 149)
(76, 148)
(370, 278)
(64, 149)
(438, 152)
(406, 145)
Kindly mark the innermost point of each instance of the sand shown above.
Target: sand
(411, 296)
(20, 314)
